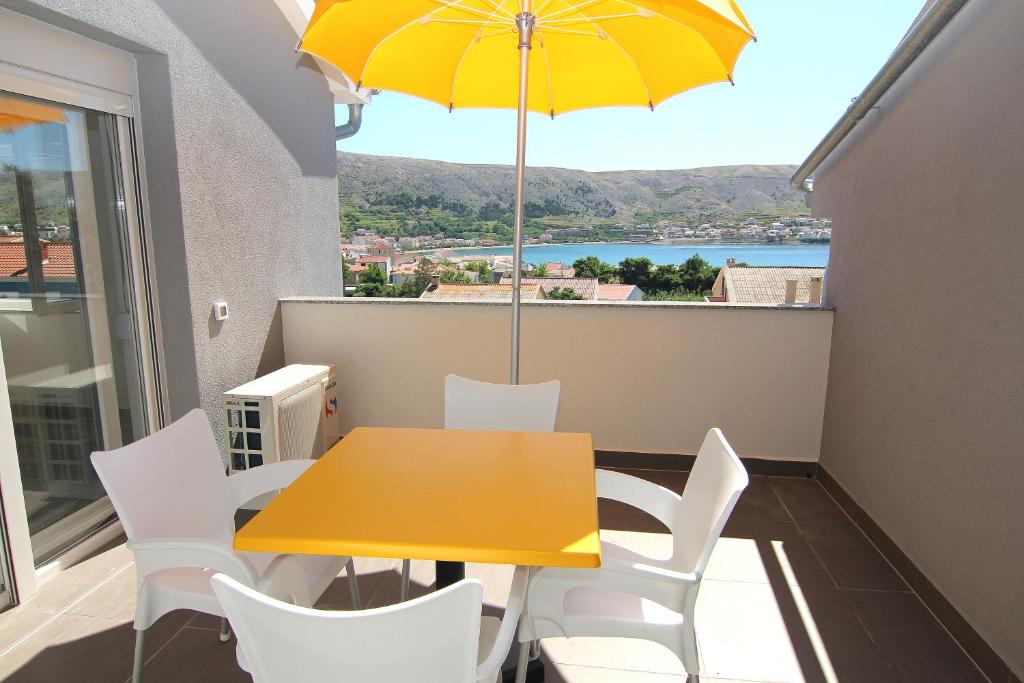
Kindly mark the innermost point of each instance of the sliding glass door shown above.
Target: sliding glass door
(68, 318)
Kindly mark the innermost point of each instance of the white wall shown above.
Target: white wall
(639, 377)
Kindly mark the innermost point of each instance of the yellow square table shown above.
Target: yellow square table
(454, 496)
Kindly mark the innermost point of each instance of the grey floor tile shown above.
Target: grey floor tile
(850, 557)
(806, 501)
(69, 584)
(910, 638)
(18, 622)
(575, 673)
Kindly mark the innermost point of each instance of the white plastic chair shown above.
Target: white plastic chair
(632, 595)
(177, 506)
(437, 638)
(469, 404)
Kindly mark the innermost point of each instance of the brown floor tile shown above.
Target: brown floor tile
(78, 648)
(850, 558)
(767, 552)
(806, 501)
(195, 655)
(829, 639)
(910, 638)
(612, 515)
(759, 501)
(672, 480)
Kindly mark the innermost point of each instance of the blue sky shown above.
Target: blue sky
(812, 57)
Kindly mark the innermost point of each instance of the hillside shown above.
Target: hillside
(415, 196)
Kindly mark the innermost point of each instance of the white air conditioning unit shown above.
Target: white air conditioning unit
(290, 414)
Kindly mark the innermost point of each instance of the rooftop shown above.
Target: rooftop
(584, 286)
(765, 284)
(58, 260)
(502, 292)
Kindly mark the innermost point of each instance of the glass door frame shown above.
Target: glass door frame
(23, 577)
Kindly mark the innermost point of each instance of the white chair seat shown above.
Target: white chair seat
(613, 552)
(633, 595)
(594, 602)
(321, 570)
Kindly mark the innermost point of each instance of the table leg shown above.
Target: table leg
(448, 573)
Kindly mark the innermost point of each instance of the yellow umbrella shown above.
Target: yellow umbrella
(591, 53)
(16, 114)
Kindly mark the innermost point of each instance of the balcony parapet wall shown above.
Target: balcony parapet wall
(644, 377)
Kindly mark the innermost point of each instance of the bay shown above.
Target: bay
(755, 254)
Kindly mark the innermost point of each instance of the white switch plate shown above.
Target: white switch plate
(220, 310)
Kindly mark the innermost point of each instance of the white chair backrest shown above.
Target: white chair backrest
(469, 404)
(432, 639)
(712, 489)
(171, 483)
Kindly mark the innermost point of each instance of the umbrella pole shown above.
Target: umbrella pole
(525, 23)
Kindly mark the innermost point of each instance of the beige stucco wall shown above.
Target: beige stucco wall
(923, 424)
(639, 377)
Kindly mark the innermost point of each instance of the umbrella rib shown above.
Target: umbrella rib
(692, 30)
(416, 20)
(565, 10)
(639, 71)
(455, 76)
(470, 10)
(570, 22)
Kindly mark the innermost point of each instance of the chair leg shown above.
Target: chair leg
(353, 584)
(225, 630)
(523, 662)
(534, 650)
(140, 656)
(691, 659)
(405, 580)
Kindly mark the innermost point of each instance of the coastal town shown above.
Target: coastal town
(793, 229)
(379, 266)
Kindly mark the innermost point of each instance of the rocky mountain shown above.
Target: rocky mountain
(701, 194)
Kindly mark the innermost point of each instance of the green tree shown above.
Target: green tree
(696, 275)
(540, 271)
(455, 277)
(591, 266)
(425, 269)
(637, 271)
(564, 294)
(373, 283)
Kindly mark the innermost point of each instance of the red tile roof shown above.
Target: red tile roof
(58, 262)
(373, 259)
(615, 292)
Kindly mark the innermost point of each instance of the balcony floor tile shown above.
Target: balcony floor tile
(780, 602)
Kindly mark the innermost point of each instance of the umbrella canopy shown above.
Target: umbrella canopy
(589, 53)
(15, 114)
(586, 54)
